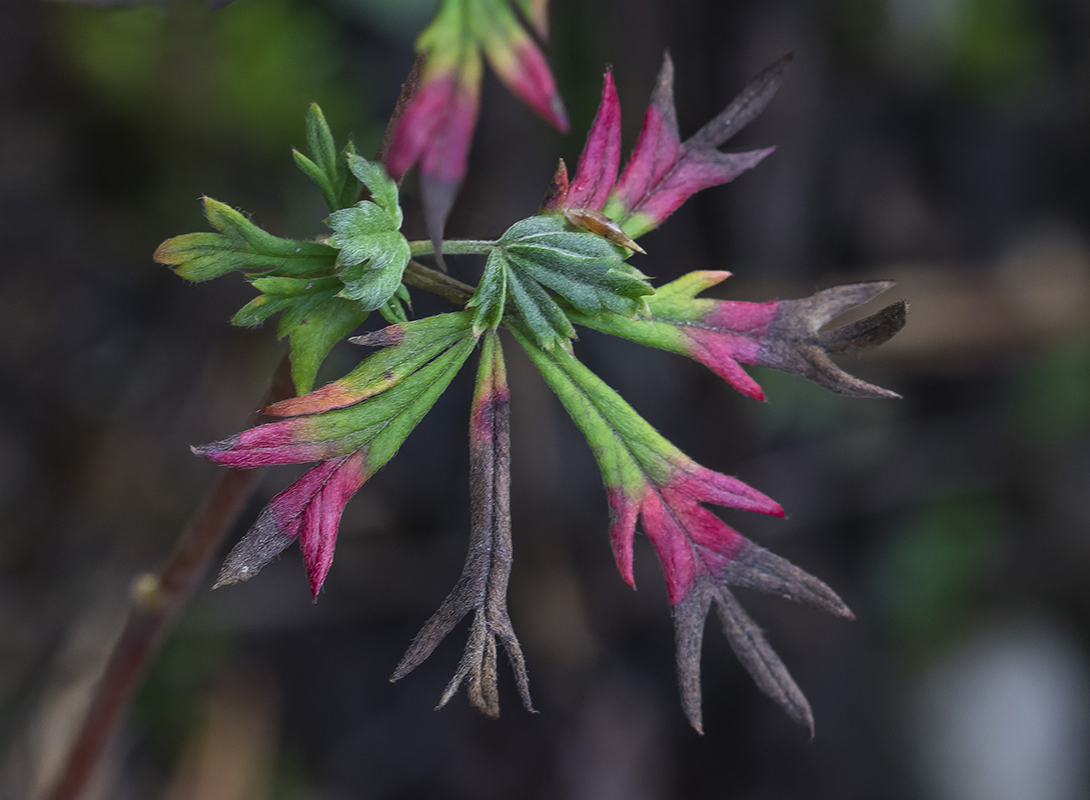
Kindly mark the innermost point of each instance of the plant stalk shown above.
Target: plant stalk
(156, 602)
(453, 247)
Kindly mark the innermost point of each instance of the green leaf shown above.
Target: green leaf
(350, 191)
(260, 309)
(294, 287)
(353, 227)
(383, 190)
(240, 245)
(409, 383)
(394, 309)
(583, 269)
(315, 334)
(548, 322)
(374, 282)
(491, 295)
(320, 141)
(372, 250)
(405, 348)
(319, 176)
(613, 429)
(314, 318)
(324, 166)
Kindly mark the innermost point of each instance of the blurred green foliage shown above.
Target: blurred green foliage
(992, 50)
(802, 408)
(994, 43)
(169, 705)
(923, 578)
(245, 74)
(1053, 393)
(400, 20)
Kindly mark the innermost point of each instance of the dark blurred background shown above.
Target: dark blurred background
(941, 143)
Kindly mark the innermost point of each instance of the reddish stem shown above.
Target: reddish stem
(156, 602)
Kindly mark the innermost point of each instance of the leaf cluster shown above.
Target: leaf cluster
(323, 289)
(564, 267)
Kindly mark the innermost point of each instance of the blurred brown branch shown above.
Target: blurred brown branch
(156, 602)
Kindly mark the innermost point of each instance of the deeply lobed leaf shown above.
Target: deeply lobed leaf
(781, 334)
(239, 245)
(482, 588)
(543, 252)
(663, 171)
(353, 427)
(405, 348)
(648, 479)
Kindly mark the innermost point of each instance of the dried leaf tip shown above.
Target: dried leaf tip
(482, 588)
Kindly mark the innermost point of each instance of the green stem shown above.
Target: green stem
(453, 247)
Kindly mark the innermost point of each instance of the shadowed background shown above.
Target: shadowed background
(944, 144)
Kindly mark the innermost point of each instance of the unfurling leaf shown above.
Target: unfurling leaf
(436, 128)
(353, 426)
(372, 251)
(240, 245)
(482, 587)
(781, 334)
(649, 479)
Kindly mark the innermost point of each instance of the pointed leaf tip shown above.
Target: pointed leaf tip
(663, 171)
(784, 334)
(482, 587)
(749, 103)
(557, 194)
(601, 156)
(648, 479)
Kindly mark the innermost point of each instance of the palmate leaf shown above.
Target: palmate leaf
(663, 171)
(353, 427)
(649, 479)
(541, 253)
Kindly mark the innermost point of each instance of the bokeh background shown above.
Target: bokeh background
(941, 143)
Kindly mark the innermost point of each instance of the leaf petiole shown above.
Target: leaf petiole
(453, 247)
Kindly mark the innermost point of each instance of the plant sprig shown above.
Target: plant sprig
(568, 265)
